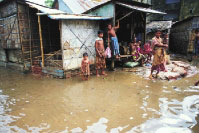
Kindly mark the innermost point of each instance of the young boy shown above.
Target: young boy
(85, 67)
(100, 54)
(114, 41)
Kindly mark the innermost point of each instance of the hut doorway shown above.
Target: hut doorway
(49, 33)
(132, 24)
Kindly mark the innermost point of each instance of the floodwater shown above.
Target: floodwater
(120, 102)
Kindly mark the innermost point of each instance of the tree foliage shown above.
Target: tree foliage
(49, 3)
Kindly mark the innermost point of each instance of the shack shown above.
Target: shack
(131, 14)
(151, 27)
(37, 37)
(21, 32)
(182, 35)
(53, 41)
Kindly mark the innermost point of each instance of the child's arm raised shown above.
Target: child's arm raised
(118, 25)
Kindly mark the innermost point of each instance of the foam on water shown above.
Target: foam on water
(176, 117)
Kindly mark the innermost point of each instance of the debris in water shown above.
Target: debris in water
(176, 70)
(131, 118)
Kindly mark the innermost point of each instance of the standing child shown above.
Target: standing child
(85, 67)
(100, 54)
(114, 40)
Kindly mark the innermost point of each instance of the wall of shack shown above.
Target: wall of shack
(189, 8)
(78, 37)
(180, 37)
(10, 46)
(104, 11)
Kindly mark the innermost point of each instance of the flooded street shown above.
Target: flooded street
(120, 102)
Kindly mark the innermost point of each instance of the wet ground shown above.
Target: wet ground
(120, 102)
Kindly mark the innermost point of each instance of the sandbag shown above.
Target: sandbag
(131, 64)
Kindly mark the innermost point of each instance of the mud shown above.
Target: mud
(120, 102)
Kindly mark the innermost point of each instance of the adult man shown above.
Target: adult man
(159, 54)
(114, 41)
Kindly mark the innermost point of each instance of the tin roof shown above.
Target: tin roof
(81, 6)
(141, 9)
(57, 14)
(161, 25)
(184, 20)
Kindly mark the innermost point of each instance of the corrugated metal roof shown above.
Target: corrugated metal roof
(81, 6)
(184, 20)
(161, 25)
(142, 9)
(58, 15)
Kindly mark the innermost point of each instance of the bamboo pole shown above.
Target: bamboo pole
(20, 36)
(125, 16)
(41, 41)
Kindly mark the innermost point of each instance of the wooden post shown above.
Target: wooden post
(114, 13)
(30, 37)
(20, 36)
(41, 41)
(144, 28)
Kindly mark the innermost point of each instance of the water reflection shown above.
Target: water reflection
(121, 102)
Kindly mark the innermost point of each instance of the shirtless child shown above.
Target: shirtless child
(100, 54)
(114, 41)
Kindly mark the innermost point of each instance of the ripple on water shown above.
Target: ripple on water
(176, 117)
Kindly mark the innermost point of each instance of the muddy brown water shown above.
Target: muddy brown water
(120, 102)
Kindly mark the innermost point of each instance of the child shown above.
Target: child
(132, 45)
(114, 40)
(100, 54)
(148, 51)
(85, 67)
(137, 55)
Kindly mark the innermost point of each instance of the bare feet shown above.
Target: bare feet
(151, 77)
(98, 75)
(104, 74)
(196, 84)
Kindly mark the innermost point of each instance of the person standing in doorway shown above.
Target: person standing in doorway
(196, 43)
(112, 37)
